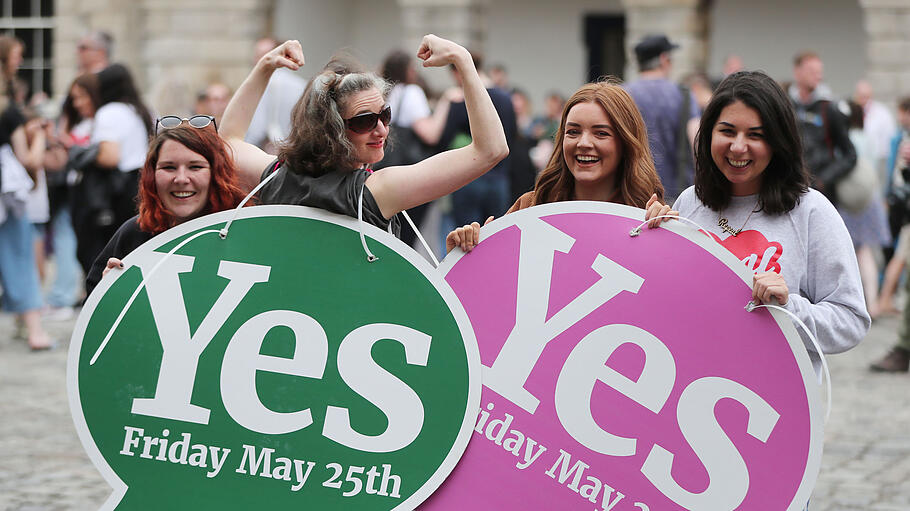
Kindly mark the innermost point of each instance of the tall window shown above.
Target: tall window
(32, 21)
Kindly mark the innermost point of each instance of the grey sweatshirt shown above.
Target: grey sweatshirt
(810, 247)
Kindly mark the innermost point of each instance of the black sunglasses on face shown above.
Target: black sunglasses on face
(364, 123)
(196, 121)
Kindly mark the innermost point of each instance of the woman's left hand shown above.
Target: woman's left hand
(435, 51)
(655, 209)
(767, 285)
(288, 54)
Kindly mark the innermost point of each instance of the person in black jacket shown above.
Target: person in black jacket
(827, 150)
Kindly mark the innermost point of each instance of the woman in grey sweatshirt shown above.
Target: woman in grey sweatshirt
(752, 194)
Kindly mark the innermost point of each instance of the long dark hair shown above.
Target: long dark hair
(785, 179)
(7, 43)
(87, 82)
(317, 142)
(636, 178)
(115, 84)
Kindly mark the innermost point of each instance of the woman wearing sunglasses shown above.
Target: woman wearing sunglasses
(187, 173)
(339, 128)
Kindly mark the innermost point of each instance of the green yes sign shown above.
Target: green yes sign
(275, 367)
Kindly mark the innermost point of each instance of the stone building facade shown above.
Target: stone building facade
(175, 47)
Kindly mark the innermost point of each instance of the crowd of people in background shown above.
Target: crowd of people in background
(70, 179)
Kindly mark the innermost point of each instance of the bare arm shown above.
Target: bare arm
(30, 153)
(249, 159)
(108, 154)
(399, 188)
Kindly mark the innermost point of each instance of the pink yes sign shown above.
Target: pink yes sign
(623, 372)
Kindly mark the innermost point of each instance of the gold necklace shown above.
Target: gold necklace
(724, 224)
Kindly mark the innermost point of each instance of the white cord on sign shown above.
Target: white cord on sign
(222, 233)
(636, 231)
(751, 306)
(363, 240)
(129, 302)
(825, 372)
(426, 246)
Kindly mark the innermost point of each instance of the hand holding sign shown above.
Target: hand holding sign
(591, 399)
(261, 368)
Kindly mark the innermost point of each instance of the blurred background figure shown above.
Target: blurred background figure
(524, 111)
(214, 100)
(489, 194)
(499, 75)
(732, 64)
(670, 113)
(868, 227)
(20, 161)
(524, 168)
(701, 88)
(544, 126)
(272, 119)
(105, 196)
(93, 52)
(879, 127)
(827, 151)
(411, 130)
(74, 131)
(898, 198)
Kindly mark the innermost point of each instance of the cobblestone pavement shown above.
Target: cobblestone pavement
(866, 464)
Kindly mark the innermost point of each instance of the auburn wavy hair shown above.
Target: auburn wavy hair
(636, 177)
(224, 193)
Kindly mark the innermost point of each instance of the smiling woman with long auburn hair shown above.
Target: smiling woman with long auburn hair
(634, 176)
(600, 153)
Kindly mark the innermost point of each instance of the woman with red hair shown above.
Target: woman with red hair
(187, 173)
(600, 153)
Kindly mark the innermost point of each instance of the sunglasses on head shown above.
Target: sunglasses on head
(196, 121)
(364, 123)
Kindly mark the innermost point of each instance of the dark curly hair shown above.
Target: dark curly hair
(317, 142)
(785, 178)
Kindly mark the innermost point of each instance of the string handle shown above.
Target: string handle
(826, 373)
(637, 230)
(751, 306)
(222, 233)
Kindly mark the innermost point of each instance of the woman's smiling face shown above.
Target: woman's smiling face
(369, 146)
(739, 148)
(182, 179)
(591, 147)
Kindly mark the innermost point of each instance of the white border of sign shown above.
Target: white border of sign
(375, 234)
(810, 380)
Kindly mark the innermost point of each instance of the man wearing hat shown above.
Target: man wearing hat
(669, 111)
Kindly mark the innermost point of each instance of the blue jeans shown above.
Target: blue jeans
(66, 281)
(18, 273)
(486, 196)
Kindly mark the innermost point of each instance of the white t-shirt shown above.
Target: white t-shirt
(119, 122)
(272, 119)
(38, 205)
(408, 103)
(880, 128)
